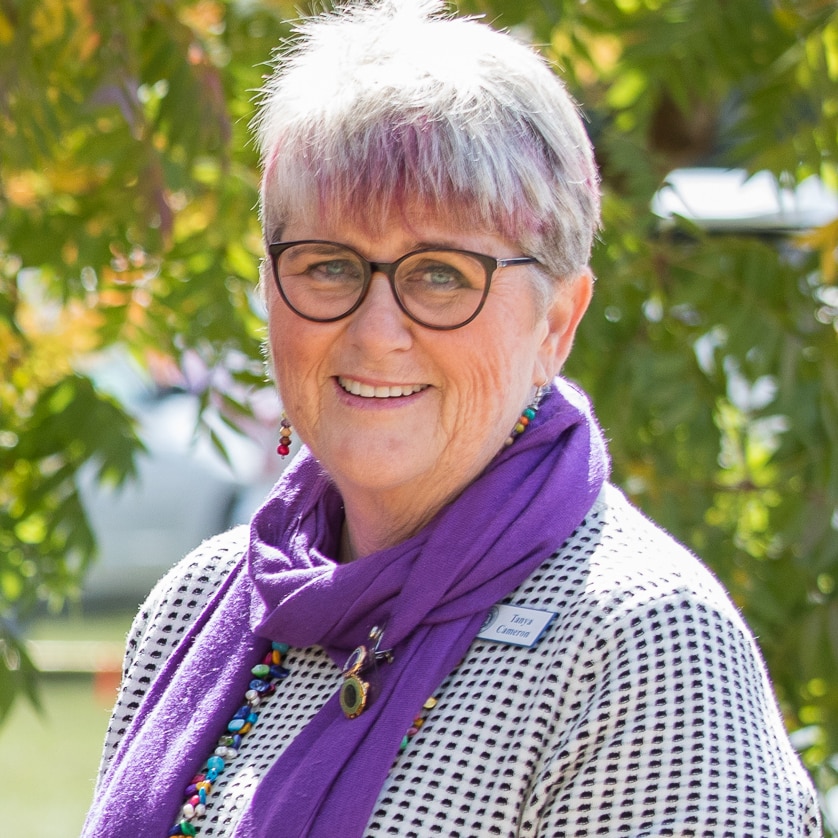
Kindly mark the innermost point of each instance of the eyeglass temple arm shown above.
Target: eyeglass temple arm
(516, 260)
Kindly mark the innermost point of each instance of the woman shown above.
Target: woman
(443, 620)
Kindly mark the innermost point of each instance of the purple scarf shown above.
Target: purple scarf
(432, 592)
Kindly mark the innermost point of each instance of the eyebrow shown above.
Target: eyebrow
(276, 237)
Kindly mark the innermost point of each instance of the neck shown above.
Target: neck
(347, 552)
(376, 519)
(368, 530)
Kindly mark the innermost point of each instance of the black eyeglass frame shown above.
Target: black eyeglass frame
(490, 265)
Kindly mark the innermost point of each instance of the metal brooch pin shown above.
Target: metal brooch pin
(355, 691)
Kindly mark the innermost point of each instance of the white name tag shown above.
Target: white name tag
(515, 625)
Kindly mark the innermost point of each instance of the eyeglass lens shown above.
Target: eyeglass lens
(324, 281)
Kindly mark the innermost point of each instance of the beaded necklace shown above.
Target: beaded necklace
(261, 688)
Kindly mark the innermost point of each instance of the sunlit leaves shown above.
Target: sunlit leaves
(68, 425)
(127, 196)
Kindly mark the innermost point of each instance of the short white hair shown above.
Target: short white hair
(384, 105)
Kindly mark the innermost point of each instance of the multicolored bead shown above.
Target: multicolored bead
(417, 723)
(527, 415)
(284, 447)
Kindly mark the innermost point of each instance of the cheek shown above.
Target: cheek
(278, 334)
(294, 355)
(491, 379)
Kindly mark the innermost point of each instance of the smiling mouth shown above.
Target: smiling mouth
(368, 391)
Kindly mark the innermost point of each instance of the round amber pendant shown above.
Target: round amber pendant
(353, 696)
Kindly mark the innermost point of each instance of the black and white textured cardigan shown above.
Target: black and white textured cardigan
(645, 710)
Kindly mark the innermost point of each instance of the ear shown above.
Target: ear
(564, 312)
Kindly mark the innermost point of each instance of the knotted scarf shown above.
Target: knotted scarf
(431, 594)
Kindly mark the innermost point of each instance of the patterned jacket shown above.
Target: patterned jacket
(644, 710)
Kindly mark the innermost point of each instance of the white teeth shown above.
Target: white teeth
(367, 391)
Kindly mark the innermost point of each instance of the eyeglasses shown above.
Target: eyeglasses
(438, 288)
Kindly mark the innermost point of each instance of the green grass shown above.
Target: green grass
(106, 626)
(50, 760)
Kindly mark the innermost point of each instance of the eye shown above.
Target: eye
(429, 276)
(444, 276)
(321, 263)
(335, 269)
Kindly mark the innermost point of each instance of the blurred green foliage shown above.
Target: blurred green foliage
(127, 194)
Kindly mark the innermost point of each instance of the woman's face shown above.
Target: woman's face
(445, 401)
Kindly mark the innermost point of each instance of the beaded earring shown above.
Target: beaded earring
(284, 447)
(527, 415)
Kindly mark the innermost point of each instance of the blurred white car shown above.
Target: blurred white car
(184, 491)
(728, 200)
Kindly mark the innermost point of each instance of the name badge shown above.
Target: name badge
(515, 625)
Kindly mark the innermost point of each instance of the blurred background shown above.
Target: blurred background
(136, 415)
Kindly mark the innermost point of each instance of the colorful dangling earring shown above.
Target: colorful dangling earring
(284, 447)
(527, 416)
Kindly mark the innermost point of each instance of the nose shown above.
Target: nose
(379, 325)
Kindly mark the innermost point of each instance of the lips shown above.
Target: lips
(386, 391)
